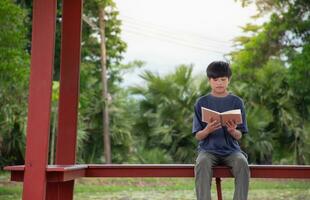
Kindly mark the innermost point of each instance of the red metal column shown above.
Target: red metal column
(40, 88)
(69, 81)
(218, 188)
(69, 94)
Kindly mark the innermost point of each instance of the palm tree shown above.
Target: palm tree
(277, 127)
(166, 111)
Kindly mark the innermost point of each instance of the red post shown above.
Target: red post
(69, 95)
(40, 89)
(69, 82)
(218, 188)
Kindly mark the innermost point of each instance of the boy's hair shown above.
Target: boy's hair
(218, 69)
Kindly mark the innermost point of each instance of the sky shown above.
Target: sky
(167, 33)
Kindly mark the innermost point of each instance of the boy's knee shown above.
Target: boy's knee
(204, 160)
(203, 168)
(240, 161)
(240, 166)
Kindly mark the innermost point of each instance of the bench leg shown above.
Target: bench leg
(60, 190)
(218, 188)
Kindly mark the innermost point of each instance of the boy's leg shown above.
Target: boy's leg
(203, 175)
(241, 172)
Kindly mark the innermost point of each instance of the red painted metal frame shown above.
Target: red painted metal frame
(54, 173)
(68, 101)
(59, 173)
(183, 170)
(280, 171)
(257, 171)
(147, 170)
(38, 127)
(218, 188)
(69, 81)
(42, 57)
(132, 170)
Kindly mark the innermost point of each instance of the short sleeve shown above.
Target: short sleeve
(242, 127)
(198, 125)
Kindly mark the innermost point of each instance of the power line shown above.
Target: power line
(169, 29)
(160, 36)
(169, 40)
(175, 37)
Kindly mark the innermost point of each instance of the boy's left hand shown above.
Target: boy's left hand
(231, 126)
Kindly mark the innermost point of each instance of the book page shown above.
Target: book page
(236, 111)
(232, 115)
(209, 115)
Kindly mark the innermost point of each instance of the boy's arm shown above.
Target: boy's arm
(236, 134)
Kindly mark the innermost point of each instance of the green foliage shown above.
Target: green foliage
(299, 80)
(14, 62)
(165, 113)
(259, 143)
(273, 64)
(122, 111)
(115, 46)
(12, 43)
(90, 148)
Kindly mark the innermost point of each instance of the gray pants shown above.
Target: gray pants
(203, 174)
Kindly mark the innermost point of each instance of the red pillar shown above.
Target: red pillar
(218, 188)
(69, 95)
(40, 89)
(69, 81)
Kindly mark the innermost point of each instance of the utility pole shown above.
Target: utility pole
(106, 132)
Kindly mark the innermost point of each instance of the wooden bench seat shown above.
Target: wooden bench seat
(54, 173)
(70, 172)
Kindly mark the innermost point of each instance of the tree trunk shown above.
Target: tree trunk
(53, 137)
(106, 133)
(299, 156)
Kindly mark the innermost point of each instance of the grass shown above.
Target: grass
(167, 188)
(164, 188)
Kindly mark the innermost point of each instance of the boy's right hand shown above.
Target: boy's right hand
(210, 128)
(213, 126)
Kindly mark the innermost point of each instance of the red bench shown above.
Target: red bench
(62, 173)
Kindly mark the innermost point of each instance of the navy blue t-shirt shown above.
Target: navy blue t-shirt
(220, 141)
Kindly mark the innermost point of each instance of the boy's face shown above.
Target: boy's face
(219, 85)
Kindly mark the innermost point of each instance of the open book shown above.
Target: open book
(233, 115)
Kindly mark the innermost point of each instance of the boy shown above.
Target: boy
(218, 145)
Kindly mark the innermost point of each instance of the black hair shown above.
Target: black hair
(218, 69)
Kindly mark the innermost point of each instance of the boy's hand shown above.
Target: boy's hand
(211, 127)
(231, 126)
(214, 125)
